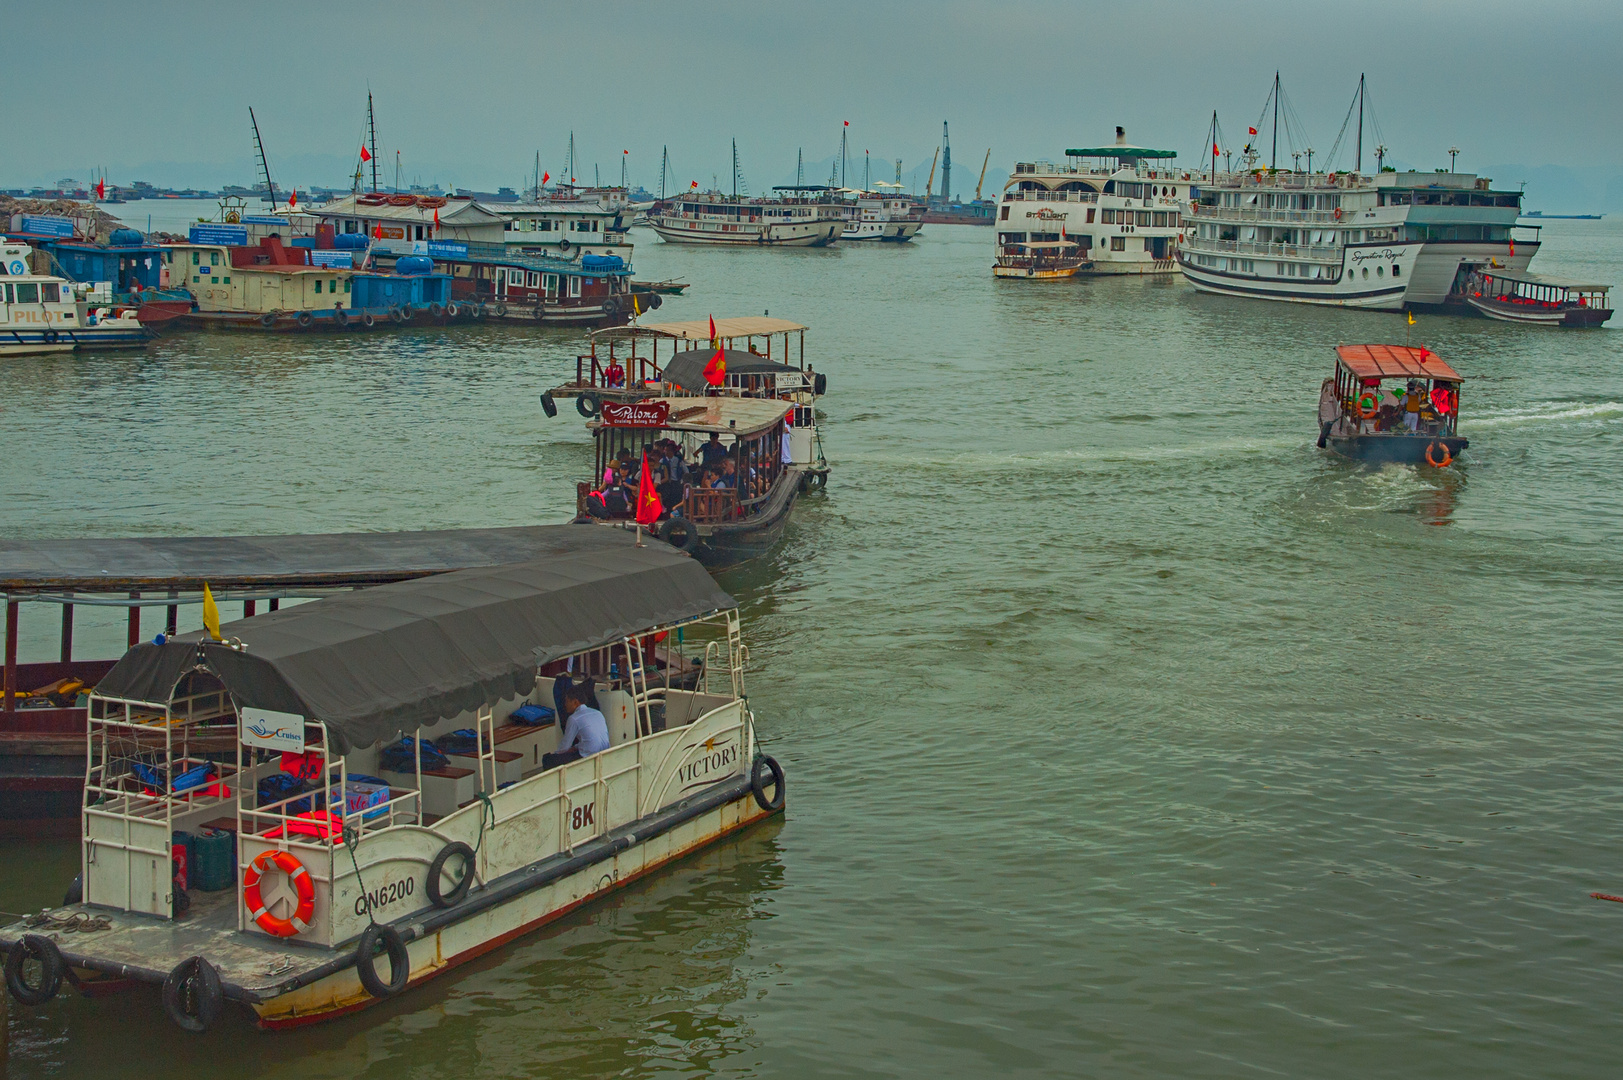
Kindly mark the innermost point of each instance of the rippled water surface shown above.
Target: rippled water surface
(1128, 734)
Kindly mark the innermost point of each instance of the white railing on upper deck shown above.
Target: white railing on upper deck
(1267, 214)
(1318, 252)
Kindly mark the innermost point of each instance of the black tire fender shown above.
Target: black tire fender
(451, 310)
(398, 314)
(76, 891)
(366, 955)
(563, 245)
(501, 311)
(436, 309)
(654, 301)
(451, 899)
(208, 995)
(367, 320)
(819, 383)
(51, 965)
(268, 320)
(549, 406)
(758, 783)
(680, 533)
(305, 318)
(588, 404)
(340, 316)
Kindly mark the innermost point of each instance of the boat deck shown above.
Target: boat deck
(148, 947)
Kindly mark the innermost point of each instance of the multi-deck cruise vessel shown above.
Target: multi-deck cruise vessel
(803, 219)
(1389, 241)
(891, 218)
(1122, 206)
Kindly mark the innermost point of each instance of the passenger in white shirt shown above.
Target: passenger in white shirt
(586, 732)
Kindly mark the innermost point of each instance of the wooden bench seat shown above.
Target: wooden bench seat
(509, 764)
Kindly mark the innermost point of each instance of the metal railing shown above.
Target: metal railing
(1318, 252)
(1242, 213)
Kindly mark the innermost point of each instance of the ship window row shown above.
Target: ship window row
(1449, 198)
(1480, 233)
(34, 292)
(1155, 219)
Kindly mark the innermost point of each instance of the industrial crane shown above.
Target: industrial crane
(982, 180)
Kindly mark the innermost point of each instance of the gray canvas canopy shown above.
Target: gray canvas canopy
(686, 369)
(379, 661)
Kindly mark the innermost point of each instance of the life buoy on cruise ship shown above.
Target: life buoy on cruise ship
(303, 886)
(1338, 213)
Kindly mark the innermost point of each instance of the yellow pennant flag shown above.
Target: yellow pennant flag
(636, 309)
(1411, 318)
(211, 614)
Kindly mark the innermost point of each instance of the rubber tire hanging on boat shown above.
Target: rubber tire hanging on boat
(394, 946)
(819, 384)
(51, 966)
(436, 309)
(209, 995)
(549, 406)
(268, 320)
(437, 867)
(689, 533)
(340, 316)
(563, 245)
(758, 787)
(501, 311)
(588, 404)
(367, 320)
(451, 310)
(398, 314)
(305, 318)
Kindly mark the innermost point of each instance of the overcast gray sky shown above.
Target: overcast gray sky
(467, 92)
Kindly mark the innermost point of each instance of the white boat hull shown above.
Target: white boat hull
(883, 231)
(790, 234)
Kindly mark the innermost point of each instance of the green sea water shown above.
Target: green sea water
(1127, 733)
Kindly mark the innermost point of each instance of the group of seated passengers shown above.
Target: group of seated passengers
(1412, 411)
(716, 469)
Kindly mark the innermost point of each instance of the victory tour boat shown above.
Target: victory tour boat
(362, 864)
(1122, 214)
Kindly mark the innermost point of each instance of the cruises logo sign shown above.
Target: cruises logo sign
(272, 730)
(1045, 214)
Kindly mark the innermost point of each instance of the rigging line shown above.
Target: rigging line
(1294, 128)
(1329, 159)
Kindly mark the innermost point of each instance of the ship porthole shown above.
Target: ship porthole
(1366, 273)
(1380, 271)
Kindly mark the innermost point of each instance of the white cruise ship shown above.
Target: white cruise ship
(809, 220)
(1386, 242)
(885, 217)
(1122, 206)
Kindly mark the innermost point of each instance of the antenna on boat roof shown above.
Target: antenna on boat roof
(264, 165)
(372, 137)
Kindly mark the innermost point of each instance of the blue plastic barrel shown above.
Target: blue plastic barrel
(126, 238)
(414, 264)
(348, 242)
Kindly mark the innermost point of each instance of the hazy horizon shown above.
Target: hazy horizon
(467, 96)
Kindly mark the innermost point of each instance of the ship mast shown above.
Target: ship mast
(1213, 140)
(843, 131)
(664, 169)
(800, 167)
(1273, 160)
(264, 165)
(1360, 162)
(946, 166)
(372, 137)
(735, 170)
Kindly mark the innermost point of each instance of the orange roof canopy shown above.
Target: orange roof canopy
(1394, 361)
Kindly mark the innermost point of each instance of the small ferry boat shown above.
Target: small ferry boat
(1124, 210)
(808, 218)
(1041, 260)
(739, 457)
(886, 218)
(40, 313)
(335, 855)
(1517, 296)
(567, 223)
(1362, 416)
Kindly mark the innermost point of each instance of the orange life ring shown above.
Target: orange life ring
(1374, 404)
(287, 863)
(1433, 462)
(1338, 213)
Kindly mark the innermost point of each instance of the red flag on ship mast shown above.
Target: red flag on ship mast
(436, 217)
(1251, 131)
(715, 372)
(545, 177)
(101, 188)
(712, 331)
(366, 155)
(293, 198)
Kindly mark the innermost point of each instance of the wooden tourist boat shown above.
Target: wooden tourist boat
(1370, 421)
(1517, 296)
(719, 526)
(1041, 260)
(363, 865)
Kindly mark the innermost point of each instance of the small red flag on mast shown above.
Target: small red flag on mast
(101, 188)
(545, 177)
(366, 155)
(436, 217)
(293, 198)
(1252, 131)
(712, 331)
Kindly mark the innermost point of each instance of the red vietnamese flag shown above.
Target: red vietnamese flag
(436, 217)
(1252, 131)
(293, 199)
(648, 506)
(712, 331)
(545, 177)
(715, 372)
(101, 188)
(366, 155)
(694, 184)
(1214, 150)
(377, 232)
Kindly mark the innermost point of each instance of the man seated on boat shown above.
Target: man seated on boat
(672, 493)
(586, 732)
(671, 461)
(614, 376)
(729, 475)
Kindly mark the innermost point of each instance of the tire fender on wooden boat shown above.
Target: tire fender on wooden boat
(588, 404)
(268, 319)
(436, 309)
(51, 968)
(501, 311)
(549, 406)
(196, 979)
(394, 947)
(367, 319)
(680, 533)
(758, 783)
(305, 318)
(436, 894)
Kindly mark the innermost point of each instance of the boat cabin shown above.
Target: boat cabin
(388, 803)
(1391, 403)
(1518, 296)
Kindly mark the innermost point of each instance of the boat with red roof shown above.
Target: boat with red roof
(1391, 403)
